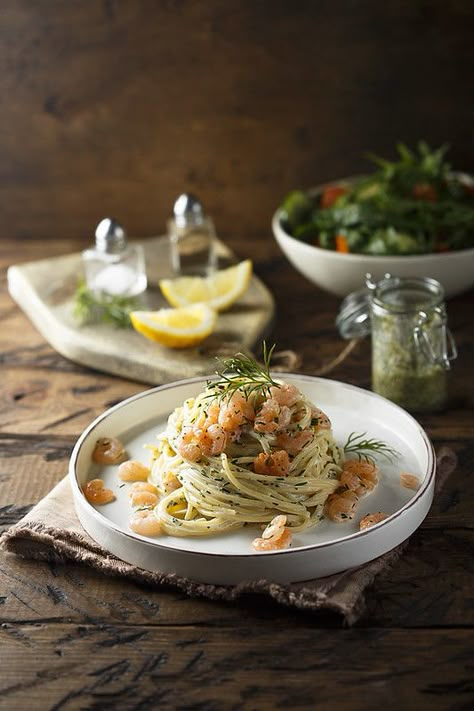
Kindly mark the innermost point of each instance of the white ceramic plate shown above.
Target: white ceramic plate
(229, 558)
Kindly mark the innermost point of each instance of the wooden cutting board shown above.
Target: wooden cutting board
(44, 290)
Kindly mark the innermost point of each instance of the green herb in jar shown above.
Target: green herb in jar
(418, 392)
(409, 347)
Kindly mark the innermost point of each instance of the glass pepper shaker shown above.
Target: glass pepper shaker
(412, 347)
(113, 266)
(192, 238)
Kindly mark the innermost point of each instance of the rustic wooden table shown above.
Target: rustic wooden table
(74, 639)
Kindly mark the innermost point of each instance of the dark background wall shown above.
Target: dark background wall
(115, 107)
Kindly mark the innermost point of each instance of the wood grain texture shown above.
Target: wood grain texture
(430, 586)
(117, 107)
(73, 639)
(186, 667)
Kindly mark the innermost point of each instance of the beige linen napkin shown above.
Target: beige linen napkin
(51, 531)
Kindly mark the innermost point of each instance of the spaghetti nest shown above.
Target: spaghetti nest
(236, 457)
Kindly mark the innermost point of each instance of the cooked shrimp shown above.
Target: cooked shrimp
(187, 446)
(235, 412)
(170, 482)
(143, 498)
(359, 476)
(109, 450)
(275, 464)
(350, 479)
(275, 528)
(275, 536)
(409, 481)
(145, 523)
(340, 507)
(264, 544)
(371, 520)
(202, 442)
(272, 417)
(366, 470)
(132, 470)
(211, 440)
(322, 420)
(266, 419)
(96, 493)
(209, 416)
(143, 486)
(294, 443)
(356, 483)
(285, 394)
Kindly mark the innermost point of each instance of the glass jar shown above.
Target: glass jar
(412, 347)
(410, 341)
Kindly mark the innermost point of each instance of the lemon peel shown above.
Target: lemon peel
(219, 291)
(176, 328)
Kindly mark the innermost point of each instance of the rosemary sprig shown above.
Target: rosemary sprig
(105, 308)
(241, 372)
(368, 449)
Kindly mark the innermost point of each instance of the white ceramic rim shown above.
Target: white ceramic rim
(359, 535)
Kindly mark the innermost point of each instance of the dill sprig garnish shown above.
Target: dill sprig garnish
(105, 308)
(241, 372)
(368, 449)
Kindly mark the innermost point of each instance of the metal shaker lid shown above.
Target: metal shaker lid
(110, 236)
(187, 210)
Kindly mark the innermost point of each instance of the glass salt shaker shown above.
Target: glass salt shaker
(192, 238)
(412, 347)
(113, 266)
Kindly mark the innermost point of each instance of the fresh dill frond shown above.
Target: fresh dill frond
(105, 308)
(369, 449)
(242, 372)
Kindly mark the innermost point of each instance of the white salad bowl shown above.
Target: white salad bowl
(341, 274)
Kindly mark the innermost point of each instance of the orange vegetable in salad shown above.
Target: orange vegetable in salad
(331, 194)
(341, 244)
(425, 191)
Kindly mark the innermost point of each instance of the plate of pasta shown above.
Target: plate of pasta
(248, 475)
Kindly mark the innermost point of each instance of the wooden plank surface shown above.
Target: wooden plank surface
(74, 639)
(114, 108)
(431, 586)
(187, 667)
(117, 107)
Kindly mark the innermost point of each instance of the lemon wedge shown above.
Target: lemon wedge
(176, 328)
(219, 291)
